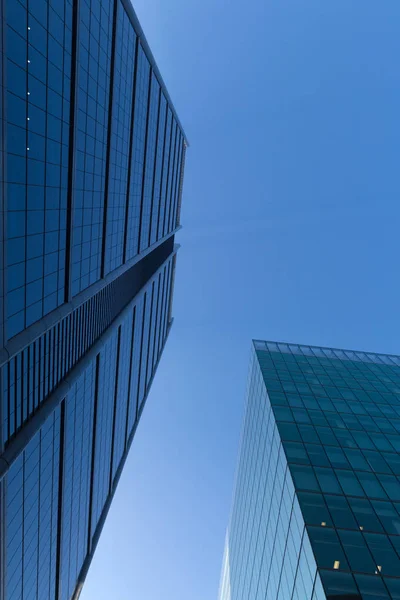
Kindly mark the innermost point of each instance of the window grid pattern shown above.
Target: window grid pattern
(171, 172)
(76, 479)
(91, 134)
(104, 432)
(158, 337)
(338, 415)
(182, 169)
(138, 152)
(175, 185)
(165, 171)
(168, 299)
(30, 376)
(125, 42)
(151, 147)
(38, 46)
(33, 548)
(144, 360)
(135, 366)
(267, 553)
(122, 396)
(155, 326)
(31, 516)
(155, 212)
(55, 198)
(148, 307)
(152, 331)
(164, 303)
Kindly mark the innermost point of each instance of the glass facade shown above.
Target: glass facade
(93, 151)
(316, 510)
(90, 191)
(37, 39)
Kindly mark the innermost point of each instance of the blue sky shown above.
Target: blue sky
(291, 232)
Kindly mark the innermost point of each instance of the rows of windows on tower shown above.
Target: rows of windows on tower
(91, 178)
(316, 509)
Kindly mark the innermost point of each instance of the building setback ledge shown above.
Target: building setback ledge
(34, 331)
(26, 433)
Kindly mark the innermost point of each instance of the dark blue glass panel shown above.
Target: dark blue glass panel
(120, 140)
(164, 179)
(104, 431)
(92, 122)
(77, 472)
(138, 153)
(151, 147)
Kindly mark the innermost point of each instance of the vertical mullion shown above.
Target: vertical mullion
(40, 370)
(141, 353)
(48, 336)
(81, 327)
(161, 312)
(51, 358)
(67, 343)
(9, 398)
(73, 336)
(156, 320)
(22, 386)
(56, 353)
(23, 524)
(130, 148)
(60, 499)
(177, 183)
(31, 378)
(172, 180)
(98, 314)
(109, 131)
(155, 163)
(162, 328)
(175, 178)
(39, 502)
(167, 296)
(64, 348)
(162, 172)
(168, 175)
(115, 406)
(25, 384)
(62, 344)
(153, 287)
(36, 375)
(93, 453)
(144, 159)
(86, 325)
(179, 205)
(71, 152)
(99, 307)
(130, 376)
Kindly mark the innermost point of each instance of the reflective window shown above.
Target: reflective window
(335, 415)
(38, 118)
(157, 201)
(123, 82)
(122, 397)
(31, 515)
(79, 414)
(165, 171)
(151, 146)
(91, 136)
(104, 428)
(138, 152)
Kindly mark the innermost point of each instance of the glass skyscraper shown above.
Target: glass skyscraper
(92, 161)
(316, 509)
